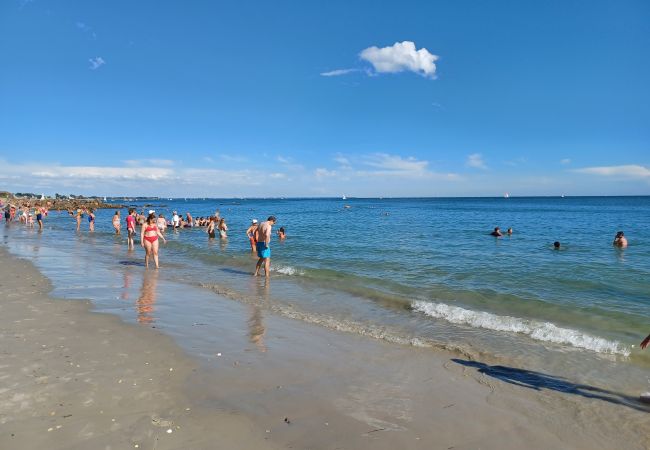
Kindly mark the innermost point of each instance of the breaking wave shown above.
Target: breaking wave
(541, 331)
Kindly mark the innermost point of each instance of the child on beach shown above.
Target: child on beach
(250, 232)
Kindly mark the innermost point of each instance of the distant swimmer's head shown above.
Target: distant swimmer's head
(272, 219)
(510, 230)
(556, 244)
(254, 221)
(497, 229)
(619, 235)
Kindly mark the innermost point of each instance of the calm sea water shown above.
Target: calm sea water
(423, 272)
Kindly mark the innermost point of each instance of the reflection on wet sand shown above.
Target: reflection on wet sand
(145, 305)
(127, 285)
(256, 328)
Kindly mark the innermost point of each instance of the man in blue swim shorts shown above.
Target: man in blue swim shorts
(263, 246)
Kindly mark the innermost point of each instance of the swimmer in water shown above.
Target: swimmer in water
(509, 232)
(556, 245)
(497, 232)
(281, 234)
(620, 241)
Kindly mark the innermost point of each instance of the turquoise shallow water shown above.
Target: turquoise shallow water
(418, 271)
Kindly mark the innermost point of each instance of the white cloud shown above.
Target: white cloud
(402, 56)
(283, 160)
(565, 161)
(96, 63)
(476, 160)
(395, 162)
(625, 171)
(321, 173)
(149, 162)
(338, 72)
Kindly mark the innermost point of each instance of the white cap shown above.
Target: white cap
(151, 211)
(254, 220)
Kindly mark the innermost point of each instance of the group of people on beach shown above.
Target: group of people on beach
(153, 227)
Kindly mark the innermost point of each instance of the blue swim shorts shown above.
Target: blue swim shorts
(263, 251)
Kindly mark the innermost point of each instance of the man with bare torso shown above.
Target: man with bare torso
(263, 239)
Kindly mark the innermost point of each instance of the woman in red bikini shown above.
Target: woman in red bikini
(149, 239)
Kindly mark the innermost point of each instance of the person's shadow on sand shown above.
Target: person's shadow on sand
(539, 381)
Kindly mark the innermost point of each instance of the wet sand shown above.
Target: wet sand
(71, 378)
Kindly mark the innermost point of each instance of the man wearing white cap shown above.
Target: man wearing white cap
(176, 220)
(251, 234)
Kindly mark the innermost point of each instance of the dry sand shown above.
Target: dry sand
(73, 379)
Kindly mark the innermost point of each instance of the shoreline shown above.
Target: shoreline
(334, 390)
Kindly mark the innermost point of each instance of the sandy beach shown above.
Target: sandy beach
(72, 378)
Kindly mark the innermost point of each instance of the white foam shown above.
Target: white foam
(288, 270)
(541, 331)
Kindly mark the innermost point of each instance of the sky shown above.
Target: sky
(319, 99)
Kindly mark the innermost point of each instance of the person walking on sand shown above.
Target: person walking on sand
(130, 229)
(250, 232)
(149, 239)
(116, 222)
(263, 238)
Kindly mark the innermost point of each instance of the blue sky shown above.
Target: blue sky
(364, 98)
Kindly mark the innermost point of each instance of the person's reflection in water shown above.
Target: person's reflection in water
(145, 305)
(127, 285)
(256, 328)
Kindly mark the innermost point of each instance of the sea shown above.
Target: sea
(419, 272)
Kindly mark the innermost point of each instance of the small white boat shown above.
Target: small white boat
(344, 197)
(506, 195)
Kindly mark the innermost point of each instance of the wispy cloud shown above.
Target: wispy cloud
(400, 57)
(625, 171)
(96, 63)
(565, 161)
(86, 29)
(475, 160)
(321, 173)
(338, 72)
(396, 163)
(149, 162)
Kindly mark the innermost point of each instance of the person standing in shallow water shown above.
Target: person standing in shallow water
(149, 239)
(130, 229)
(250, 232)
(116, 222)
(263, 238)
